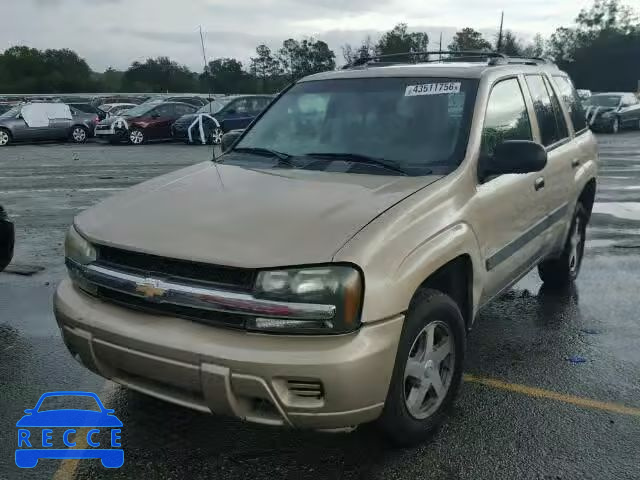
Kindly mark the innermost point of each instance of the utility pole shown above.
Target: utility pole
(500, 33)
(440, 47)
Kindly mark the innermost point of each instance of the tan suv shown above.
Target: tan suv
(324, 272)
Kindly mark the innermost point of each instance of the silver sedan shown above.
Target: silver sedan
(77, 129)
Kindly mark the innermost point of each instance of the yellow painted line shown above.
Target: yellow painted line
(69, 467)
(560, 397)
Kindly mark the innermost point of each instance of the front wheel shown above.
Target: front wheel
(216, 136)
(615, 125)
(136, 136)
(79, 134)
(562, 271)
(428, 369)
(5, 137)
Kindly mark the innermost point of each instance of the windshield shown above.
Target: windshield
(604, 101)
(11, 113)
(141, 109)
(215, 106)
(418, 124)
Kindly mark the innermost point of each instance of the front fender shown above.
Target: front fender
(436, 252)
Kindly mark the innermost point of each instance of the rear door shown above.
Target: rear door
(553, 134)
(509, 209)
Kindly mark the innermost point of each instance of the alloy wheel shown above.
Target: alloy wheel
(136, 137)
(216, 136)
(79, 134)
(615, 127)
(429, 370)
(575, 243)
(4, 138)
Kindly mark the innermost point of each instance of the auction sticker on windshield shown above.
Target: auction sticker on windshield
(432, 89)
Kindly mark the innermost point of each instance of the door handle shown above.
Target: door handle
(539, 183)
(575, 163)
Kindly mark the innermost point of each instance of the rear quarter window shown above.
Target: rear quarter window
(572, 101)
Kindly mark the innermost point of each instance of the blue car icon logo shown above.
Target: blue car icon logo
(42, 430)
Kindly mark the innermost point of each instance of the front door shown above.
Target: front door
(162, 117)
(508, 209)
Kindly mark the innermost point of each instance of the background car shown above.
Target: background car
(116, 108)
(190, 99)
(584, 94)
(232, 113)
(149, 121)
(78, 128)
(7, 239)
(613, 111)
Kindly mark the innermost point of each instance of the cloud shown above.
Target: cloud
(118, 32)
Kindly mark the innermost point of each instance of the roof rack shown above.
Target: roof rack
(493, 58)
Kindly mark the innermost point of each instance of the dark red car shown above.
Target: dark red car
(146, 122)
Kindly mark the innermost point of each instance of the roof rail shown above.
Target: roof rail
(494, 58)
(530, 61)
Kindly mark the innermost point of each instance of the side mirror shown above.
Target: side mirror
(516, 156)
(155, 115)
(229, 139)
(231, 111)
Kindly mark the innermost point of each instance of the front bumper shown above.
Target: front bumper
(323, 382)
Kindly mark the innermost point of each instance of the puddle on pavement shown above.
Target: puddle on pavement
(624, 210)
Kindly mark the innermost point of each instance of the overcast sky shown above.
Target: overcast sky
(117, 32)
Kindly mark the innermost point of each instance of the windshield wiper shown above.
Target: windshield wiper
(357, 158)
(283, 157)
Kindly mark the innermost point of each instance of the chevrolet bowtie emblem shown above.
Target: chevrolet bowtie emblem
(150, 288)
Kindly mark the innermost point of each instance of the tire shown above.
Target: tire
(136, 137)
(5, 137)
(79, 134)
(561, 272)
(615, 126)
(414, 409)
(216, 136)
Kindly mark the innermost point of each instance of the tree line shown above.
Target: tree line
(601, 51)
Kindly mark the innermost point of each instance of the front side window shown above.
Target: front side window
(419, 124)
(573, 102)
(543, 107)
(506, 118)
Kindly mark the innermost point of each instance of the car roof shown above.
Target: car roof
(472, 70)
(599, 94)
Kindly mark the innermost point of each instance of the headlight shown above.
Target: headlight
(337, 285)
(79, 250)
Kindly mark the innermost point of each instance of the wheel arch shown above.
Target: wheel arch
(451, 263)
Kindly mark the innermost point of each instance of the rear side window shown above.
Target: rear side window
(506, 117)
(563, 129)
(549, 131)
(572, 101)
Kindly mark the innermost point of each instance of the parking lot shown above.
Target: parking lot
(552, 389)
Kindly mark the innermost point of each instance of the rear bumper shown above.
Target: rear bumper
(307, 382)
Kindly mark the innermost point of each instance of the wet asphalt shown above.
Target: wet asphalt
(524, 338)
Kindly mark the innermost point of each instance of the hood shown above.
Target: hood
(231, 215)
